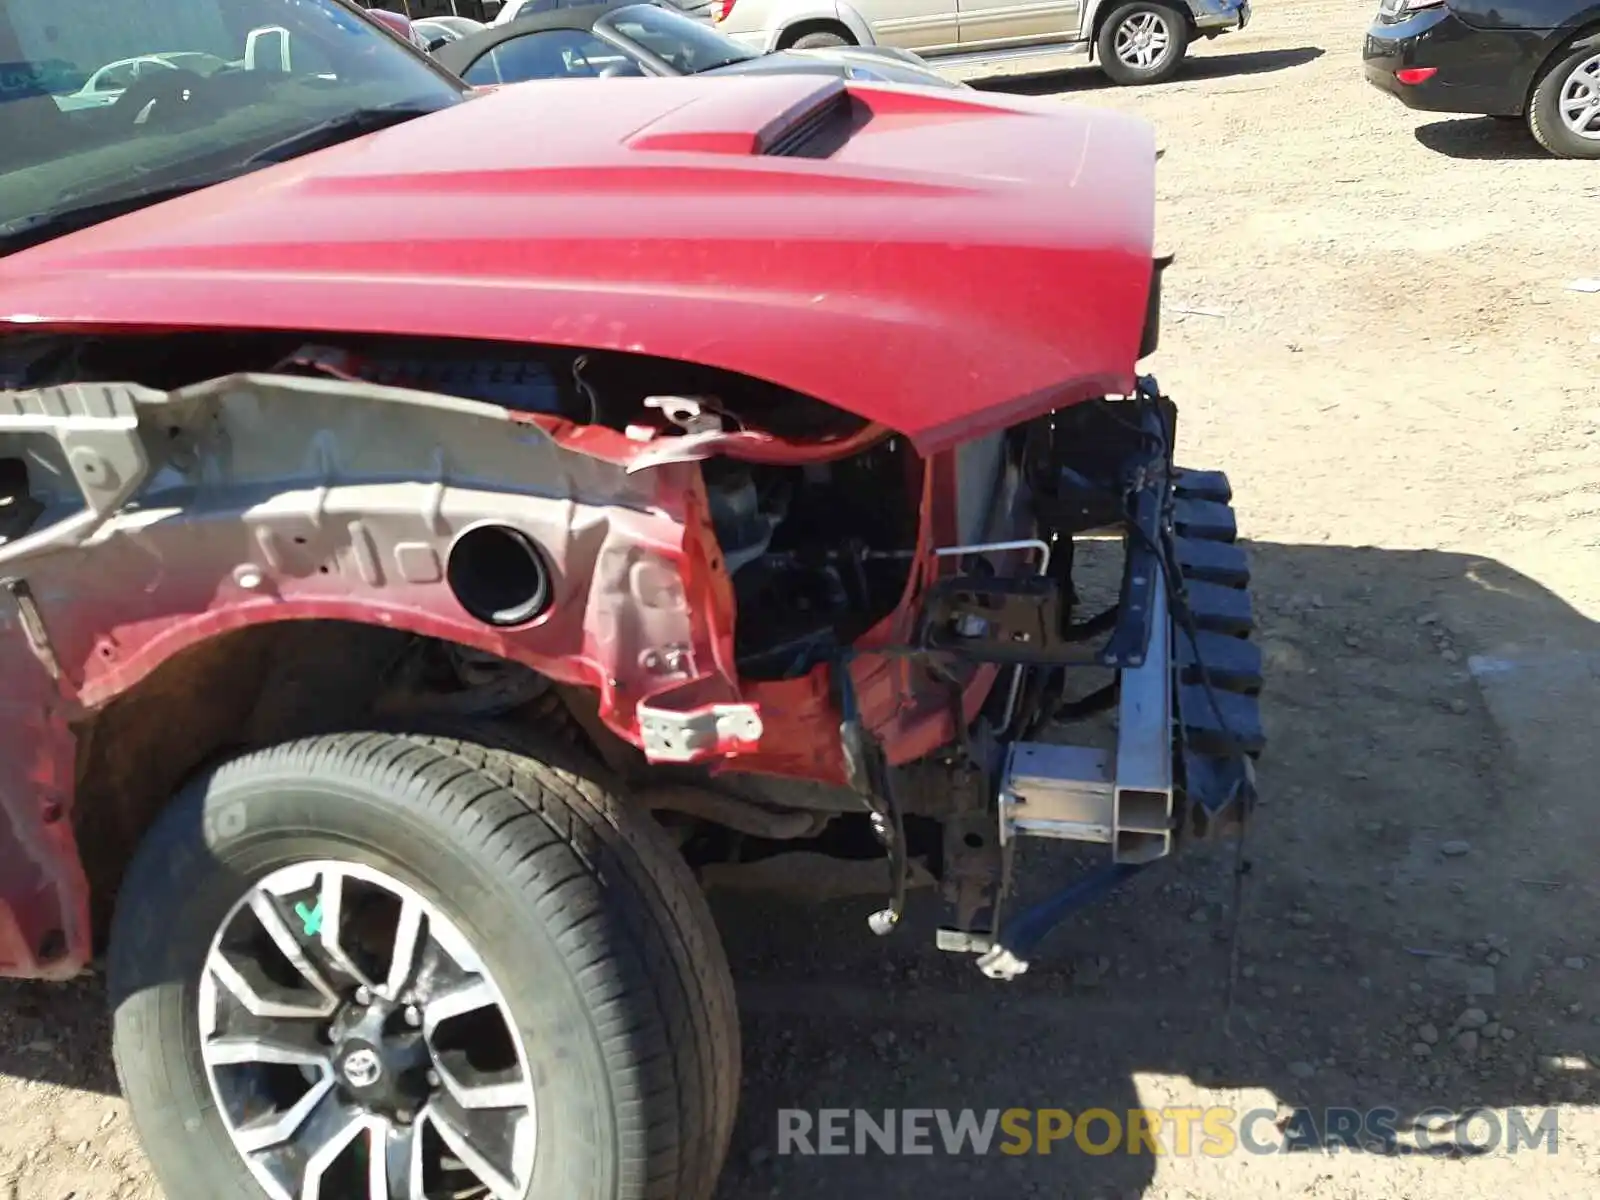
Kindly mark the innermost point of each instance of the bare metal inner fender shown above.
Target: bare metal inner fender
(260, 497)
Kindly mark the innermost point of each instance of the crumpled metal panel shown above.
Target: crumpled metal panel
(257, 499)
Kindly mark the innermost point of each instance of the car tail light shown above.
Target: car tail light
(1412, 75)
(723, 7)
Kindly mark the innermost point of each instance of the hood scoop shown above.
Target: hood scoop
(788, 115)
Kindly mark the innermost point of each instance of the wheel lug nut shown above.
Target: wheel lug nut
(413, 1016)
(433, 1079)
(363, 995)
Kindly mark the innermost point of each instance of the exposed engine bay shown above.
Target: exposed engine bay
(817, 554)
(816, 547)
(589, 387)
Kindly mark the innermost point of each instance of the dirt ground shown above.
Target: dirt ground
(1369, 325)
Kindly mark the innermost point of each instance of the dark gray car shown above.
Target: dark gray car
(625, 37)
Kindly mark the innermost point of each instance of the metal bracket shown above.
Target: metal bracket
(1039, 545)
(689, 735)
(960, 941)
(687, 413)
(1014, 622)
(1123, 798)
(97, 426)
(997, 962)
(1057, 792)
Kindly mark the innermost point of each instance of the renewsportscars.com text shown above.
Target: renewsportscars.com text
(1214, 1132)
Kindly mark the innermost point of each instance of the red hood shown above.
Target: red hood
(959, 263)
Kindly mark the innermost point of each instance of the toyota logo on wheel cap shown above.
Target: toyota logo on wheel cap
(362, 1068)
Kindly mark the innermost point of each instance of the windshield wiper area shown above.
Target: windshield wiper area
(335, 130)
(103, 204)
(30, 231)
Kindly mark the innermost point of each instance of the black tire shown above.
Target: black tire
(1544, 116)
(1169, 61)
(580, 908)
(818, 41)
(536, 763)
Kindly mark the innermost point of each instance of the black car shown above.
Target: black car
(626, 37)
(1533, 59)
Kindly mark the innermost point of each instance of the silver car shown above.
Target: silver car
(107, 84)
(1134, 41)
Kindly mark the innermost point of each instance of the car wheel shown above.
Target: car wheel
(1142, 43)
(385, 966)
(1564, 113)
(819, 41)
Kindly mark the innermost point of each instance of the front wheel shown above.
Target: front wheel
(401, 968)
(1564, 114)
(1142, 43)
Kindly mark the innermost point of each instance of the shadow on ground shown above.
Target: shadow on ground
(1397, 682)
(1209, 66)
(1400, 688)
(1478, 138)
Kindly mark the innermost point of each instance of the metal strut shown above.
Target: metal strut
(1186, 692)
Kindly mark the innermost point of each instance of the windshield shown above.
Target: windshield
(686, 45)
(102, 101)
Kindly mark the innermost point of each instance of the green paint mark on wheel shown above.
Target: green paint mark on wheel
(311, 918)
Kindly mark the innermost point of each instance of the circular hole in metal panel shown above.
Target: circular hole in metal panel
(498, 575)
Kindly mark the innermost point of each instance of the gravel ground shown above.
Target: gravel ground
(1369, 326)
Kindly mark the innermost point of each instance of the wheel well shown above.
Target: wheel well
(1590, 30)
(1108, 7)
(255, 687)
(799, 29)
(267, 684)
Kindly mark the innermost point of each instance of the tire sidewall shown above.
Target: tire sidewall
(210, 849)
(1165, 67)
(821, 40)
(1545, 115)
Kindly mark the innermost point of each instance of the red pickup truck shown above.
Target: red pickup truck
(433, 525)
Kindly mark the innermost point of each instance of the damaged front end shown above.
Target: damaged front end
(1071, 660)
(1184, 721)
(785, 626)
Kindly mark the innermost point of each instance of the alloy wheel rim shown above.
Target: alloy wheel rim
(1142, 39)
(1579, 103)
(355, 1043)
